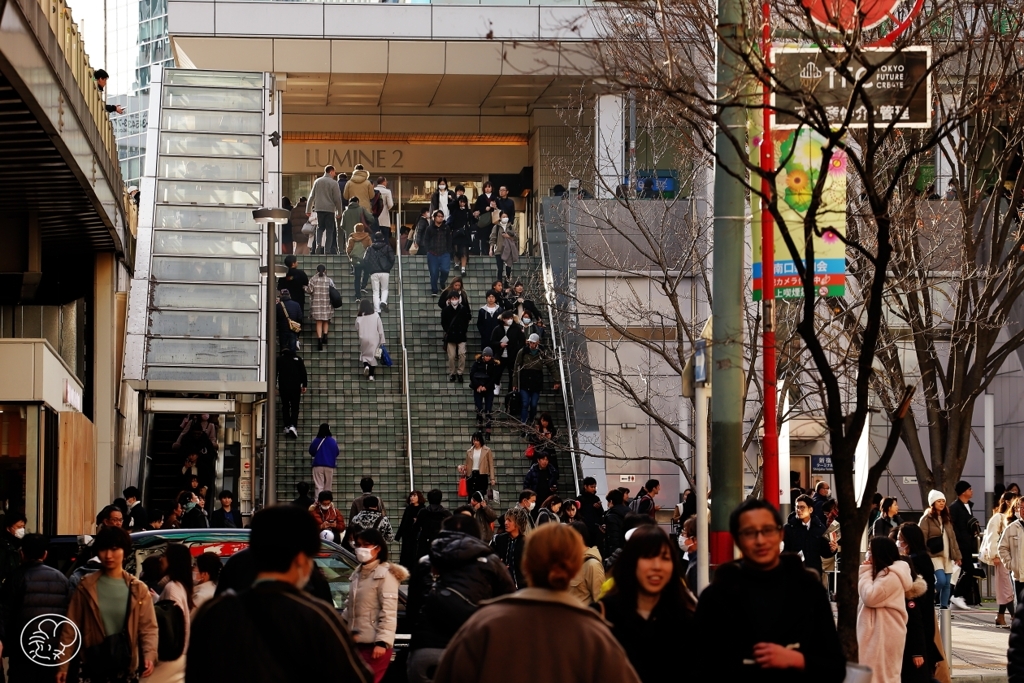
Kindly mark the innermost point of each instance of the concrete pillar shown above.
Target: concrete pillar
(105, 383)
(609, 144)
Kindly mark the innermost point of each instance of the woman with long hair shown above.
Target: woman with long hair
(989, 554)
(324, 449)
(910, 541)
(371, 337)
(509, 544)
(177, 566)
(319, 289)
(371, 611)
(883, 583)
(940, 540)
(649, 607)
(414, 502)
(549, 510)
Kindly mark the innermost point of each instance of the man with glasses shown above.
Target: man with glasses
(765, 616)
(805, 535)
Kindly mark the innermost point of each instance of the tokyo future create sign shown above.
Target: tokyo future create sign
(897, 90)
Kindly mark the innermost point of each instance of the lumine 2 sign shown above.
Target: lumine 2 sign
(372, 159)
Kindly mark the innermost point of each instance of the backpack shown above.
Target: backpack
(377, 204)
(634, 505)
(358, 250)
(170, 621)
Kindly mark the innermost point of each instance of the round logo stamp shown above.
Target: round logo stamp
(50, 640)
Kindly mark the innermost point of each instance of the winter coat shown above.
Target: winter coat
(324, 451)
(464, 572)
(586, 585)
(485, 518)
(384, 219)
(298, 219)
(542, 482)
(483, 202)
(819, 502)
(480, 650)
(484, 374)
(371, 519)
(615, 529)
(811, 542)
(510, 551)
(1011, 550)
(371, 337)
(786, 605)
(668, 627)
(516, 342)
(506, 247)
(32, 590)
(1015, 652)
(528, 373)
(883, 526)
(332, 517)
(287, 310)
(356, 214)
(84, 611)
(486, 322)
(882, 619)
(379, 258)
(359, 185)
(371, 611)
(917, 643)
(507, 205)
(295, 282)
(447, 205)
(291, 373)
(446, 294)
(455, 323)
(325, 196)
(221, 519)
(436, 240)
(195, 519)
(547, 516)
(319, 288)
(486, 463)
(462, 224)
(428, 526)
(932, 527)
(359, 504)
(407, 535)
(965, 524)
(989, 550)
(359, 236)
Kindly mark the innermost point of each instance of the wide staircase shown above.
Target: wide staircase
(369, 419)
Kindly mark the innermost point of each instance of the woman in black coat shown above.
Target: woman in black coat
(462, 223)
(910, 540)
(488, 319)
(406, 534)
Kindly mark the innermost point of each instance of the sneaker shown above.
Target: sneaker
(372, 378)
(358, 300)
(384, 307)
(463, 271)
(497, 389)
(366, 371)
(958, 603)
(451, 378)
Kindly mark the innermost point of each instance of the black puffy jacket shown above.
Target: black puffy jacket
(449, 584)
(33, 590)
(455, 323)
(1015, 653)
(483, 374)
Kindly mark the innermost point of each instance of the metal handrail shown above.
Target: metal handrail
(406, 389)
(557, 345)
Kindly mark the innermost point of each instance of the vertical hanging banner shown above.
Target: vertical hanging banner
(800, 154)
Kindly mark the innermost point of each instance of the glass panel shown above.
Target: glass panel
(202, 324)
(213, 121)
(210, 169)
(339, 577)
(185, 192)
(206, 270)
(187, 374)
(213, 78)
(222, 297)
(208, 98)
(211, 145)
(203, 352)
(204, 218)
(206, 243)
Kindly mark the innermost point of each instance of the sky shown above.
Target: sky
(88, 14)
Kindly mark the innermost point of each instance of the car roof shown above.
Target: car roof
(148, 539)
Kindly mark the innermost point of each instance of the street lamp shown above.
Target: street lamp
(271, 217)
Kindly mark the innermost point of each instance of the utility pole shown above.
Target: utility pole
(727, 340)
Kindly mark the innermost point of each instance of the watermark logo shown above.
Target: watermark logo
(47, 640)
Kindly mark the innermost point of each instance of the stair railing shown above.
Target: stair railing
(558, 346)
(405, 360)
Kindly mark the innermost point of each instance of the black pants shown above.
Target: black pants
(477, 482)
(484, 407)
(967, 586)
(290, 406)
(504, 269)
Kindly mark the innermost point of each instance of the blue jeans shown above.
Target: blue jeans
(530, 400)
(484, 406)
(942, 587)
(439, 265)
(362, 276)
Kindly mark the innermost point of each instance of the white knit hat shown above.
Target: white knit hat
(934, 495)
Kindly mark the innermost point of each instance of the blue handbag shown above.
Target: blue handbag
(385, 357)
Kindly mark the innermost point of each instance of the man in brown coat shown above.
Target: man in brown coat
(359, 185)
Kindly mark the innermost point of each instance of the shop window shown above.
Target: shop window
(13, 446)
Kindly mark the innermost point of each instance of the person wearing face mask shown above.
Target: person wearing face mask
(192, 517)
(10, 544)
(507, 340)
(443, 199)
(372, 607)
(521, 305)
(275, 631)
(504, 245)
(457, 286)
(328, 517)
(455, 319)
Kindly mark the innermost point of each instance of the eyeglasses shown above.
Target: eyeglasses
(767, 532)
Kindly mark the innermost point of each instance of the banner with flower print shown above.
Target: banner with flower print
(800, 153)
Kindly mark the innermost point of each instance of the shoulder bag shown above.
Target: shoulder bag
(313, 462)
(111, 658)
(293, 325)
(335, 297)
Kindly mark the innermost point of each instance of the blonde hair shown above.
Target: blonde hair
(554, 556)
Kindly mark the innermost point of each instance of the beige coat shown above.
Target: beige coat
(359, 185)
(933, 527)
(482, 649)
(989, 550)
(882, 620)
(586, 586)
(486, 463)
(371, 611)
(1011, 549)
(84, 610)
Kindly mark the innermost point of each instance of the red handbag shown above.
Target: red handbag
(531, 452)
(463, 487)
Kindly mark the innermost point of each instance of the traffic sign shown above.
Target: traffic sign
(847, 15)
(898, 88)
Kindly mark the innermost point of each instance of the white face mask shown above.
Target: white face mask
(442, 188)
(527, 321)
(532, 505)
(19, 533)
(364, 555)
(504, 221)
